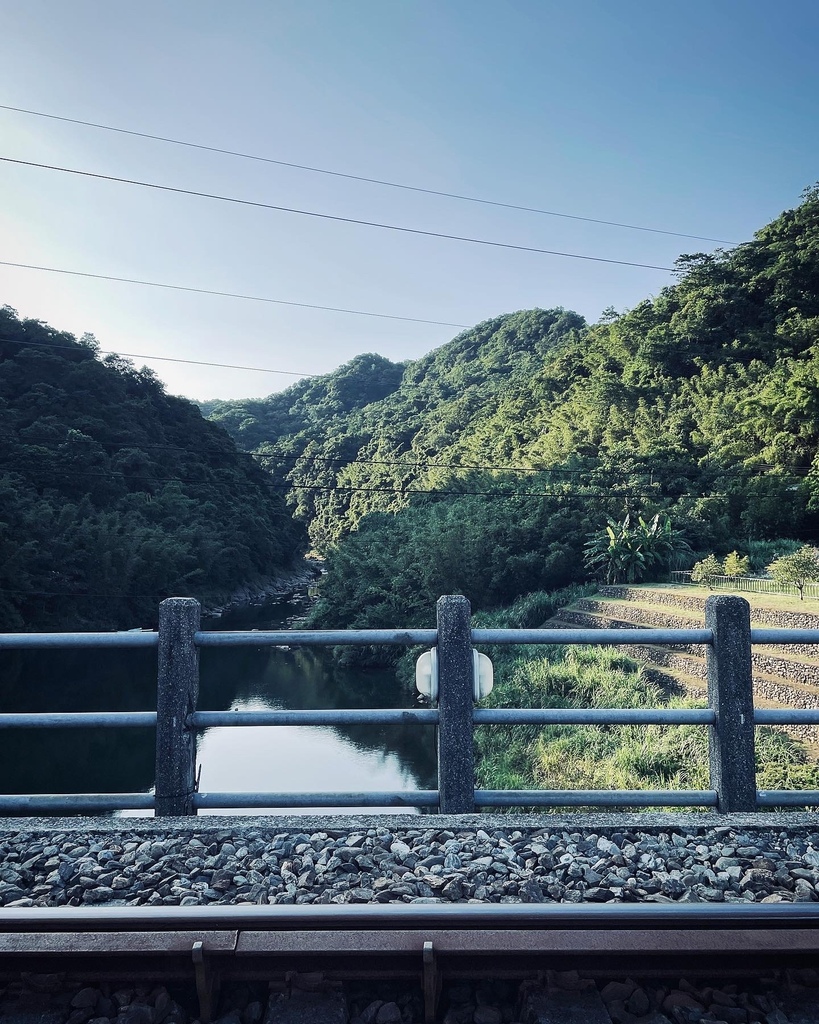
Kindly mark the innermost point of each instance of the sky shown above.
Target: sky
(696, 117)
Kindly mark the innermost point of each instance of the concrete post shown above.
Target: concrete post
(177, 694)
(456, 754)
(731, 695)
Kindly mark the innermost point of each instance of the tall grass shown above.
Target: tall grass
(604, 757)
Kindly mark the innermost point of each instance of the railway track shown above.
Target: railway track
(419, 943)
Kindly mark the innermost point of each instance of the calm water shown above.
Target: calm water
(270, 759)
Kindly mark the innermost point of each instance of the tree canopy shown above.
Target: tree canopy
(700, 403)
(114, 494)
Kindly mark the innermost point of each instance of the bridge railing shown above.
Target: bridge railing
(730, 717)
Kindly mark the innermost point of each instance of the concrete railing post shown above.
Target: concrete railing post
(731, 695)
(177, 694)
(456, 754)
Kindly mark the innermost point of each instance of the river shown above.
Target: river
(363, 758)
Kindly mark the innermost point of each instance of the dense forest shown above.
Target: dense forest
(114, 494)
(482, 467)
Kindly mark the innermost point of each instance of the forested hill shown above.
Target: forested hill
(315, 400)
(361, 431)
(531, 428)
(114, 494)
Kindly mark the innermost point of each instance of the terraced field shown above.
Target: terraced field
(783, 676)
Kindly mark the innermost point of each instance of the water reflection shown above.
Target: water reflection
(354, 758)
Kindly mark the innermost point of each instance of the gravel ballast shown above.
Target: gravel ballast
(498, 859)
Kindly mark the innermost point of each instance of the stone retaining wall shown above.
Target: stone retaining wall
(689, 602)
(591, 604)
(793, 688)
(642, 618)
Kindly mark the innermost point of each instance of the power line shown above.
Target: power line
(491, 494)
(359, 177)
(758, 471)
(230, 295)
(331, 216)
(74, 472)
(141, 355)
(71, 593)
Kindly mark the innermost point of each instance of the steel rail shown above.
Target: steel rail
(414, 916)
(416, 942)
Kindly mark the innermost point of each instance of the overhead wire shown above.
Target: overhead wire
(229, 295)
(331, 216)
(359, 177)
(468, 467)
(164, 359)
(73, 472)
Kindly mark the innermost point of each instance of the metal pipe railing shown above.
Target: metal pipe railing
(345, 716)
(596, 637)
(595, 798)
(316, 638)
(593, 716)
(76, 803)
(77, 719)
(37, 641)
(784, 636)
(392, 798)
(731, 717)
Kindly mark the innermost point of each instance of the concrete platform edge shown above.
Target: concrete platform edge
(579, 822)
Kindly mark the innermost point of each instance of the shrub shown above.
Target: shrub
(706, 570)
(736, 565)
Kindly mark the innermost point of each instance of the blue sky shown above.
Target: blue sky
(696, 117)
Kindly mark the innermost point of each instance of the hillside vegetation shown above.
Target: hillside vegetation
(532, 428)
(114, 494)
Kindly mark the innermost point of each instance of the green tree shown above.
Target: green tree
(736, 565)
(706, 571)
(797, 569)
(631, 551)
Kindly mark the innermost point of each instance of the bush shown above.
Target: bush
(736, 565)
(706, 570)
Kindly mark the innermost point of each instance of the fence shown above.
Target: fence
(730, 718)
(750, 585)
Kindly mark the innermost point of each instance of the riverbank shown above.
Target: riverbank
(653, 858)
(266, 589)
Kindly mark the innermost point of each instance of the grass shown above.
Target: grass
(604, 757)
(778, 602)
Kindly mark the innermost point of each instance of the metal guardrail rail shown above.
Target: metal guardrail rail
(731, 717)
